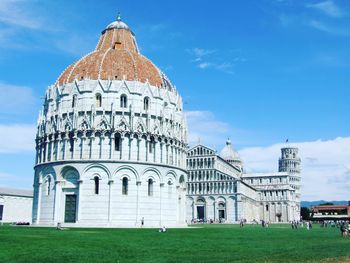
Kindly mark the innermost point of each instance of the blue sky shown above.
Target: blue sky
(256, 71)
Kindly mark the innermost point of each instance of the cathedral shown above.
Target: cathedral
(111, 151)
(218, 189)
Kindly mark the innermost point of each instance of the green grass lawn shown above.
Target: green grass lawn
(209, 243)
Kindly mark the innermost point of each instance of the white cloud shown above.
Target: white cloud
(17, 138)
(213, 132)
(328, 29)
(15, 181)
(15, 13)
(204, 65)
(201, 52)
(325, 166)
(203, 126)
(328, 8)
(15, 98)
(204, 59)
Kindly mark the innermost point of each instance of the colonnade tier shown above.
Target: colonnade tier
(110, 146)
(205, 188)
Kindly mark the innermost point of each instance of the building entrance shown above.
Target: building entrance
(70, 209)
(200, 212)
(221, 214)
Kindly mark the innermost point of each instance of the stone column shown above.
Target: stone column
(82, 148)
(39, 202)
(147, 146)
(102, 139)
(59, 147)
(142, 149)
(167, 153)
(57, 202)
(175, 156)
(161, 153)
(132, 148)
(112, 147)
(51, 142)
(125, 148)
(138, 183)
(92, 140)
(66, 147)
(47, 149)
(110, 183)
(161, 187)
(37, 148)
(79, 208)
(74, 150)
(155, 151)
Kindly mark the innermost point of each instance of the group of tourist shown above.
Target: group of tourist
(344, 228)
(207, 221)
(264, 223)
(295, 224)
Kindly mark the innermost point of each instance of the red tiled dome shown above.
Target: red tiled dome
(116, 57)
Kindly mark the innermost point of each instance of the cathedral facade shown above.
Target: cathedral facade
(218, 189)
(111, 141)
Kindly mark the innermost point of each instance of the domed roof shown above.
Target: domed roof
(119, 24)
(228, 153)
(115, 57)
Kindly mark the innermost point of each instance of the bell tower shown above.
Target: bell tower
(291, 163)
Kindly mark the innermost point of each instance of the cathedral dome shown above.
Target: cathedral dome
(228, 153)
(116, 57)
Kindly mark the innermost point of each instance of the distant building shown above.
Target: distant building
(15, 205)
(219, 190)
(331, 212)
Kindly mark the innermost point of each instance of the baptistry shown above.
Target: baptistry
(111, 141)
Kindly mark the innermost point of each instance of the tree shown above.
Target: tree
(305, 213)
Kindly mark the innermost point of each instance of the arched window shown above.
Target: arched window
(117, 141)
(151, 145)
(150, 187)
(125, 186)
(48, 185)
(146, 103)
(71, 142)
(74, 101)
(123, 101)
(97, 185)
(98, 100)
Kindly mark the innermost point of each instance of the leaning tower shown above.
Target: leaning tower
(290, 163)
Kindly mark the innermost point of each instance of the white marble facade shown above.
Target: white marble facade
(219, 190)
(111, 152)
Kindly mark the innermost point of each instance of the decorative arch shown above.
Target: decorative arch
(100, 166)
(220, 198)
(47, 171)
(171, 172)
(70, 175)
(201, 200)
(126, 170)
(96, 175)
(155, 171)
